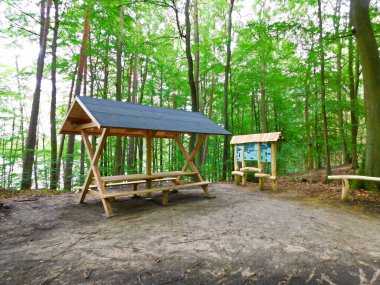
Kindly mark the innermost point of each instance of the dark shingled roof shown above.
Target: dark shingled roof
(117, 114)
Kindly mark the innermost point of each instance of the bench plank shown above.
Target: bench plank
(152, 190)
(132, 177)
(255, 169)
(355, 177)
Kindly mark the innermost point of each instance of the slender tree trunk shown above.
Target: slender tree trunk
(369, 54)
(30, 144)
(62, 141)
(353, 105)
(68, 172)
(190, 70)
(53, 130)
(309, 158)
(118, 169)
(211, 102)
(316, 121)
(263, 109)
(342, 136)
(323, 91)
(226, 77)
(131, 145)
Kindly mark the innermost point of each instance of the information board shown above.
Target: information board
(251, 152)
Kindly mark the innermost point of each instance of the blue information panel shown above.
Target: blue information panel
(251, 152)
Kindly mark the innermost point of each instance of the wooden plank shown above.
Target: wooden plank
(254, 169)
(152, 190)
(239, 173)
(265, 176)
(86, 126)
(355, 177)
(154, 176)
(257, 138)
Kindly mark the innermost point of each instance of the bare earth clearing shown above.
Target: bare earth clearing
(243, 236)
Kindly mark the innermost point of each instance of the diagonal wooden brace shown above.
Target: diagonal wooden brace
(190, 158)
(94, 170)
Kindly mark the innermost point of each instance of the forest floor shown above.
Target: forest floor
(297, 235)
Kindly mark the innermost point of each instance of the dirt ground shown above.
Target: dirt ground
(243, 236)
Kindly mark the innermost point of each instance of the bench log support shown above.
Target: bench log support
(346, 185)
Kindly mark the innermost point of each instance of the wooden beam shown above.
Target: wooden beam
(85, 126)
(236, 166)
(148, 165)
(153, 190)
(355, 177)
(244, 179)
(274, 165)
(190, 158)
(94, 170)
(260, 165)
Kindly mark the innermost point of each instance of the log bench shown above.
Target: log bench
(346, 185)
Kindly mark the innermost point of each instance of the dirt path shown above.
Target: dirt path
(244, 236)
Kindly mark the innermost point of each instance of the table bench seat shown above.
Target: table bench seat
(165, 191)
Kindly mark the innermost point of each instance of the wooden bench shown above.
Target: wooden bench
(165, 191)
(346, 184)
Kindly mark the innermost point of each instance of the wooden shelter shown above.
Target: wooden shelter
(104, 118)
(252, 145)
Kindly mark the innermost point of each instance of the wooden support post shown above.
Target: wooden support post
(189, 160)
(345, 189)
(149, 160)
(165, 197)
(94, 170)
(244, 179)
(236, 165)
(260, 165)
(274, 165)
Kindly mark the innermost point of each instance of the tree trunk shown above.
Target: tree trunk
(342, 136)
(323, 91)
(53, 130)
(68, 172)
(309, 158)
(196, 69)
(353, 106)
(263, 108)
(369, 54)
(118, 146)
(225, 92)
(190, 70)
(131, 145)
(30, 144)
